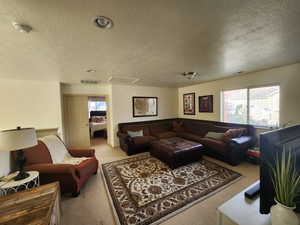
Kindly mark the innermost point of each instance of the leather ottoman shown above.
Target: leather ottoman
(176, 151)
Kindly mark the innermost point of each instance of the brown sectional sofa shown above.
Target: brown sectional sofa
(232, 150)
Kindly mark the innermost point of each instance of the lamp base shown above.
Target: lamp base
(20, 161)
(21, 175)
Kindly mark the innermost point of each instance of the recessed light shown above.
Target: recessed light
(103, 22)
(91, 71)
(191, 75)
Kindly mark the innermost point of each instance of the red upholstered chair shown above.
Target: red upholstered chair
(71, 177)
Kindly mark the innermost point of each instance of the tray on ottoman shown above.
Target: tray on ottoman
(176, 151)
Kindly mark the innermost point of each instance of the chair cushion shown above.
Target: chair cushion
(56, 147)
(165, 135)
(74, 160)
(143, 140)
(217, 145)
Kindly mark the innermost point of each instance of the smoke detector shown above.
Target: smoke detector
(103, 22)
(24, 28)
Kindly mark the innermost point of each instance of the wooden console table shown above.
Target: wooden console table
(38, 206)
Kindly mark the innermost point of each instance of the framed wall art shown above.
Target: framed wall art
(206, 103)
(144, 106)
(189, 104)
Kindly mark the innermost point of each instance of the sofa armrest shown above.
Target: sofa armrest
(242, 140)
(122, 135)
(125, 137)
(82, 152)
(49, 168)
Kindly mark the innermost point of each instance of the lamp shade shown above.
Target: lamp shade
(17, 139)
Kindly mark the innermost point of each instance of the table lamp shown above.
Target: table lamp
(16, 140)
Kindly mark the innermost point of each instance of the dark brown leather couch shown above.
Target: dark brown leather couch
(232, 150)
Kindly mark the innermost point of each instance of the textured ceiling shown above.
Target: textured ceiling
(151, 40)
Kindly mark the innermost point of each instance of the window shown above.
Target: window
(256, 106)
(235, 106)
(97, 106)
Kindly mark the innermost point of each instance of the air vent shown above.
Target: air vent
(90, 82)
(122, 80)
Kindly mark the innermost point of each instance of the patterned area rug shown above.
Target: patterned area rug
(144, 190)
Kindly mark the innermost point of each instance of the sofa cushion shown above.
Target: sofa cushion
(189, 136)
(177, 126)
(165, 135)
(56, 147)
(38, 154)
(197, 127)
(160, 127)
(220, 129)
(216, 145)
(143, 140)
(145, 129)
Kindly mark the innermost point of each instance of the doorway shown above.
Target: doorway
(97, 107)
(85, 120)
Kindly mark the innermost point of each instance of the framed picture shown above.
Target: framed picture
(144, 106)
(206, 103)
(189, 104)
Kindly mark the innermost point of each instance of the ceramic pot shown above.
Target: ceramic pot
(281, 214)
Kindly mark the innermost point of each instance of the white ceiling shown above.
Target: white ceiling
(151, 40)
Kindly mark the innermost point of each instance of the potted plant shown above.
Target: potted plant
(286, 181)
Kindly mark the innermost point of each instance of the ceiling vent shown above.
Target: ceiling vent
(94, 82)
(122, 80)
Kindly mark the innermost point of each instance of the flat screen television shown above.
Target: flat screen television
(272, 143)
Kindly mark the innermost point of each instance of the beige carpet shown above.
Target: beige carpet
(92, 207)
(144, 190)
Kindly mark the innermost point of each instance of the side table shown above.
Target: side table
(37, 206)
(25, 184)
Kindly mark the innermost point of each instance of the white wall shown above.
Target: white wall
(122, 104)
(28, 104)
(288, 77)
(81, 89)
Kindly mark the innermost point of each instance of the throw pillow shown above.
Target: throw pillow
(177, 126)
(215, 135)
(233, 133)
(138, 133)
